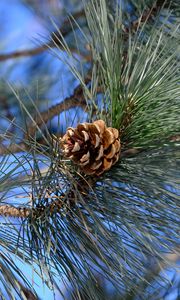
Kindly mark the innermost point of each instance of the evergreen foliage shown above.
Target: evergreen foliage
(81, 233)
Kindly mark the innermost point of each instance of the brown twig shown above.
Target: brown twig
(16, 212)
(24, 212)
(77, 99)
(13, 148)
(28, 52)
(147, 15)
(65, 29)
(56, 204)
(29, 294)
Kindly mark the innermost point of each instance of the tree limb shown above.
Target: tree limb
(24, 212)
(65, 29)
(16, 212)
(148, 14)
(77, 99)
(13, 148)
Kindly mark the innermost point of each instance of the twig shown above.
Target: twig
(75, 100)
(11, 211)
(57, 201)
(65, 29)
(147, 15)
(24, 212)
(13, 148)
(22, 53)
(28, 293)
(153, 271)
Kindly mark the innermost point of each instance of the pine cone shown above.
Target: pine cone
(93, 146)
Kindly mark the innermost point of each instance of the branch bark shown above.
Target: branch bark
(16, 212)
(57, 201)
(75, 100)
(65, 29)
(148, 14)
(24, 212)
(13, 148)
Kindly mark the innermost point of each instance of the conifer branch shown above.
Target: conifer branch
(11, 211)
(65, 29)
(13, 148)
(147, 15)
(77, 99)
(57, 202)
(24, 212)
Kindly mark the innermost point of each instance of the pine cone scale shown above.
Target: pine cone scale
(101, 153)
(112, 152)
(76, 147)
(107, 163)
(108, 138)
(100, 125)
(97, 141)
(86, 135)
(96, 165)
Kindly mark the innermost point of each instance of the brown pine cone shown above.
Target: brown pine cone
(93, 146)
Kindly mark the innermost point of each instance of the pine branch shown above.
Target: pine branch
(24, 212)
(57, 202)
(154, 269)
(28, 293)
(76, 100)
(148, 15)
(118, 223)
(145, 17)
(13, 148)
(65, 29)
